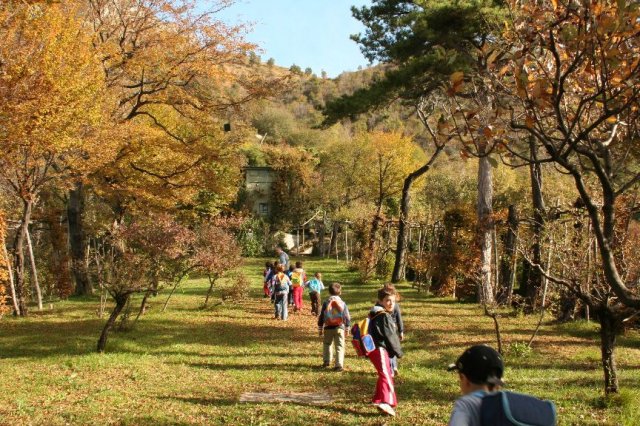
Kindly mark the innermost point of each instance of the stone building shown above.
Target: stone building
(258, 187)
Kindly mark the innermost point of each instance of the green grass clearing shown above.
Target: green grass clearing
(190, 365)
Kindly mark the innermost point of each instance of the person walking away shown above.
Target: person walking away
(298, 277)
(290, 295)
(280, 291)
(315, 287)
(333, 323)
(266, 278)
(270, 279)
(383, 331)
(396, 315)
(283, 258)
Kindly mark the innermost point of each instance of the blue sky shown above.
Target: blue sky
(308, 33)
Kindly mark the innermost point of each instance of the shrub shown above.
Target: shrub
(238, 290)
(518, 350)
(384, 267)
(252, 236)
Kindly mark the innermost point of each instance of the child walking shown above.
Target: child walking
(383, 331)
(334, 321)
(315, 286)
(396, 315)
(290, 295)
(280, 291)
(298, 277)
(267, 275)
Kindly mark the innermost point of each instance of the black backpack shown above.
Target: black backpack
(516, 409)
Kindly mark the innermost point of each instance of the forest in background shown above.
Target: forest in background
(495, 169)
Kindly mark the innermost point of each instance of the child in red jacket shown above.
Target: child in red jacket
(383, 331)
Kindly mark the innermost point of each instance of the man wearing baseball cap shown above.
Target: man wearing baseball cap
(480, 370)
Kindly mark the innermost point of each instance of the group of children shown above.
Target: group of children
(285, 286)
(480, 367)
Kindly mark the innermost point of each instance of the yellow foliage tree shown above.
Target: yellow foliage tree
(4, 270)
(177, 76)
(391, 157)
(50, 87)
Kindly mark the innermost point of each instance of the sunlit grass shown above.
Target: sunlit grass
(190, 365)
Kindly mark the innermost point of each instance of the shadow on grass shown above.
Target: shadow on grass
(364, 411)
(258, 367)
(35, 339)
(152, 421)
(38, 339)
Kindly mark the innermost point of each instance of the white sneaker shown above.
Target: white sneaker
(387, 409)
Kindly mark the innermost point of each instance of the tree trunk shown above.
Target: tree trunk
(534, 278)
(60, 254)
(121, 302)
(372, 244)
(400, 264)
(507, 264)
(34, 270)
(608, 334)
(75, 208)
(152, 290)
(485, 229)
(18, 250)
(12, 286)
(173, 290)
(318, 249)
(143, 305)
(333, 244)
(212, 281)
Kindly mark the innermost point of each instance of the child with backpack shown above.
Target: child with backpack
(396, 315)
(315, 286)
(480, 370)
(290, 295)
(333, 322)
(266, 281)
(270, 279)
(298, 277)
(383, 331)
(280, 291)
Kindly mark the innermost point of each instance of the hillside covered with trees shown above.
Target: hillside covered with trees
(489, 159)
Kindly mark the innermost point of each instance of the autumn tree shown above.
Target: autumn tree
(176, 75)
(294, 170)
(122, 272)
(572, 84)
(51, 88)
(6, 284)
(216, 250)
(424, 42)
(167, 246)
(391, 157)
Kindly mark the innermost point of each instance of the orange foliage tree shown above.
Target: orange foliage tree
(50, 90)
(177, 75)
(568, 79)
(4, 270)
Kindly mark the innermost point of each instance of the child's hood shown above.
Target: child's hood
(376, 310)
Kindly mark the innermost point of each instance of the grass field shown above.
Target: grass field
(190, 365)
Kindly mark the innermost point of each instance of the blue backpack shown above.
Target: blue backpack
(516, 409)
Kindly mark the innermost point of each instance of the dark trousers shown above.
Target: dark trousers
(315, 302)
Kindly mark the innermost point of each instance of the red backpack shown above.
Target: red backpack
(334, 313)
